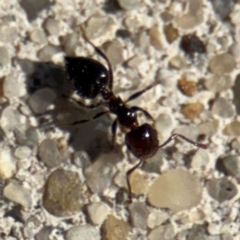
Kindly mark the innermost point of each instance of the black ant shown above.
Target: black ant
(91, 78)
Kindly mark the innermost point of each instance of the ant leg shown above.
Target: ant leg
(114, 129)
(200, 145)
(138, 94)
(128, 182)
(86, 120)
(147, 114)
(102, 54)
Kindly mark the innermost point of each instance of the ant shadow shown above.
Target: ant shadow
(91, 137)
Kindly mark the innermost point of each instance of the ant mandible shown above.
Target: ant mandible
(91, 78)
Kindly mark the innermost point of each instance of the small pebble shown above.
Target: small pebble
(69, 43)
(46, 53)
(176, 189)
(134, 62)
(51, 26)
(209, 128)
(200, 159)
(138, 215)
(98, 212)
(178, 62)
(83, 232)
(163, 124)
(44, 233)
(4, 56)
(49, 153)
(98, 26)
(27, 137)
(8, 34)
(191, 44)
(221, 189)
(222, 8)
(166, 16)
(115, 229)
(7, 163)
(230, 165)
(143, 40)
(235, 50)
(156, 218)
(156, 37)
(22, 152)
(192, 110)
(123, 33)
(114, 52)
(222, 108)
(28, 232)
(197, 232)
(193, 17)
(99, 174)
(40, 100)
(218, 83)
(81, 159)
(235, 144)
(232, 129)
(187, 87)
(222, 64)
(18, 90)
(38, 36)
(128, 4)
(138, 182)
(165, 232)
(171, 33)
(10, 113)
(63, 194)
(34, 7)
(18, 194)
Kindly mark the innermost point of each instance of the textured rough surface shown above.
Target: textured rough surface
(189, 49)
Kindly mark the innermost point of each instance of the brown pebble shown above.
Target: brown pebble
(63, 193)
(115, 229)
(171, 33)
(138, 182)
(187, 87)
(192, 110)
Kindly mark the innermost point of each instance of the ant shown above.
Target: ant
(91, 78)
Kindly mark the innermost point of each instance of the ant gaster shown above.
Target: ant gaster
(91, 78)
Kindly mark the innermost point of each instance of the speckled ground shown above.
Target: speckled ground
(68, 182)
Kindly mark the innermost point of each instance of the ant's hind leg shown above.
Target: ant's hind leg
(200, 145)
(128, 181)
